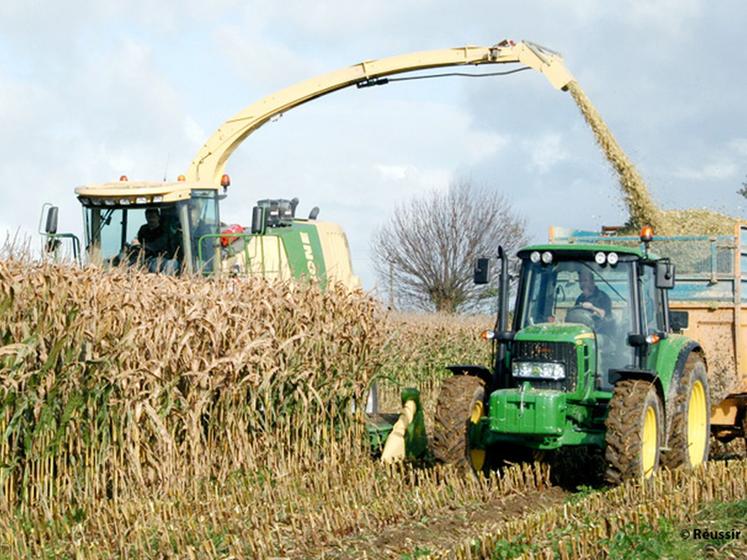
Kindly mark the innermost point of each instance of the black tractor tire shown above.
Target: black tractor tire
(632, 402)
(456, 401)
(691, 392)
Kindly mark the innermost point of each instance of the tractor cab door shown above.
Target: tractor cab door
(652, 316)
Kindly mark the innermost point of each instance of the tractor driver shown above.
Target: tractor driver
(595, 300)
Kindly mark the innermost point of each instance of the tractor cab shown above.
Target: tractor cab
(572, 294)
(607, 294)
(165, 227)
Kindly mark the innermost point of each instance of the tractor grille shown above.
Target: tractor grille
(561, 352)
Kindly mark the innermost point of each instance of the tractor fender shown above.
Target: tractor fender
(480, 372)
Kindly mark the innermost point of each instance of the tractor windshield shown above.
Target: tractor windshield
(582, 292)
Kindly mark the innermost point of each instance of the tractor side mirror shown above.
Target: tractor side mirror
(482, 271)
(679, 320)
(51, 225)
(664, 275)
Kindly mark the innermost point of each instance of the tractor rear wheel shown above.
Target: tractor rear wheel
(690, 430)
(634, 431)
(460, 403)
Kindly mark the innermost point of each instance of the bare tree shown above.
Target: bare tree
(426, 251)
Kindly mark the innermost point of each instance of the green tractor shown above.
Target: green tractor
(592, 358)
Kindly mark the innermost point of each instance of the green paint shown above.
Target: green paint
(555, 332)
(663, 358)
(527, 411)
(304, 251)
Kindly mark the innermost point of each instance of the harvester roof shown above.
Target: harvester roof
(163, 191)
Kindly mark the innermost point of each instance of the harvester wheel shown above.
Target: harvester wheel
(459, 403)
(634, 431)
(690, 430)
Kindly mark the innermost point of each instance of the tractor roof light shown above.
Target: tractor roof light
(158, 198)
(141, 200)
(123, 178)
(547, 257)
(534, 257)
(600, 258)
(225, 181)
(487, 334)
(647, 234)
(181, 178)
(613, 258)
(124, 201)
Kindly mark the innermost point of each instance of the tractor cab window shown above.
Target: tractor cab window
(652, 306)
(573, 291)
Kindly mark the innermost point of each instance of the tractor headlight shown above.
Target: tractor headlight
(535, 257)
(542, 370)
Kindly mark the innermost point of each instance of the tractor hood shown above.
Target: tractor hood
(555, 332)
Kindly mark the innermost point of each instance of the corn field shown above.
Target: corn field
(159, 417)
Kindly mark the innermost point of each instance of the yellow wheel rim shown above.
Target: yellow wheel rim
(649, 443)
(477, 458)
(476, 413)
(697, 421)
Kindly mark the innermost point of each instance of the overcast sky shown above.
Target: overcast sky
(90, 90)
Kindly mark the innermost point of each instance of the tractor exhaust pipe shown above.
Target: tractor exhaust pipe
(502, 334)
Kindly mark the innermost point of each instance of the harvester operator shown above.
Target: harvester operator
(151, 236)
(157, 245)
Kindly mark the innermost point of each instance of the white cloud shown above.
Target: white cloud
(546, 151)
(739, 145)
(713, 171)
(194, 132)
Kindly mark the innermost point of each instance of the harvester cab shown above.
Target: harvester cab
(175, 227)
(589, 359)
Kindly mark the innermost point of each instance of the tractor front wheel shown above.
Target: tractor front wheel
(634, 431)
(460, 403)
(690, 430)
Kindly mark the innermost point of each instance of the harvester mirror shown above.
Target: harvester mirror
(51, 225)
(679, 320)
(482, 271)
(258, 220)
(664, 275)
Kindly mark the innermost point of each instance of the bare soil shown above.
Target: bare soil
(446, 528)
